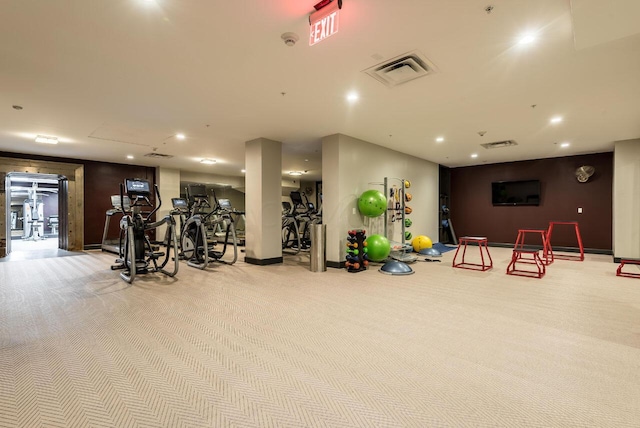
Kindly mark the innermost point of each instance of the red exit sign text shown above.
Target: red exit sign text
(324, 23)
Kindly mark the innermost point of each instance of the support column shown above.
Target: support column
(168, 181)
(626, 202)
(263, 207)
(5, 216)
(333, 203)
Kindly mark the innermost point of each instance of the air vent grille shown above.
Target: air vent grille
(158, 155)
(499, 144)
(401, 69)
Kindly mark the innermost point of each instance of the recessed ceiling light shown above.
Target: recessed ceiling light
(556, 119)
(295, 173)
(475, 155)
(527, 39)
(565, 145)
(208, 161)
(46, 140)
(352, 97)
(180, 136)
(129, 156)
(439, 139)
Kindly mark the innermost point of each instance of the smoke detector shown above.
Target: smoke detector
(289, 38)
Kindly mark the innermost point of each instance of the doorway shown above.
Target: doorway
(65, 178)
(34, 203)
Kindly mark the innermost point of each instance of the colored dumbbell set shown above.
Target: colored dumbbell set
(357, 259)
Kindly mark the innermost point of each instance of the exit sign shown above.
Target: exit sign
(324, 23)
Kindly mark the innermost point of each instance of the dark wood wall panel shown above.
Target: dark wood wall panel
(474, 215)
(101, 180)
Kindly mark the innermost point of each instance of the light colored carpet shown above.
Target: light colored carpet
(279, 346)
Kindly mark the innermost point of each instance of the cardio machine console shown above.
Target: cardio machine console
(179, 203)
(116, 203)
(225, 204)
(137, 187)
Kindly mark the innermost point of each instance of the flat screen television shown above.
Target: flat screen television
(513, 193)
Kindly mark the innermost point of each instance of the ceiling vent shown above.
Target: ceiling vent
(499, 144)
(402, 69)
(158, 155)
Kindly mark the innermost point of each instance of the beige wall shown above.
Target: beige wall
(351, 166)
(168, 181)
(198, 177)
(626, 199)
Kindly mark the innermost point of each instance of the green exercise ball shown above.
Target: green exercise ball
(372, 203)
(378, 248)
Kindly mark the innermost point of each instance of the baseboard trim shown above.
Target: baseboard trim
(263, 262)
(559, 249)
(335, 265)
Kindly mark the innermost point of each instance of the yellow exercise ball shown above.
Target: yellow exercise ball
(421, 242)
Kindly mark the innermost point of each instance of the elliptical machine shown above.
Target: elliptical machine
(291, 242)
(137, 255)
(197, 247)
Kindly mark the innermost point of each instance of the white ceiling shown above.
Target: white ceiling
(112, 78)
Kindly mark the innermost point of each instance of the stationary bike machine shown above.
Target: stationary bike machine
(137, 256)
(198, 240)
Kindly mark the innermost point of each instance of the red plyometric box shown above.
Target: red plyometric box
(526, 257)
(547, 252)
(628, 274)
(482, 246)
(578, 237)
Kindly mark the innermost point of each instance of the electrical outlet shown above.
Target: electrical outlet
(579, 210)
(354, 211)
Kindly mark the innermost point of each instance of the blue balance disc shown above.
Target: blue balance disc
(430, 252)
(395, 267)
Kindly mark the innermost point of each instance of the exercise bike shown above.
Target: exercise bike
(136, 253)
(198, 238)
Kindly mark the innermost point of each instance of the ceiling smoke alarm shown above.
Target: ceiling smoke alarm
(289, 38)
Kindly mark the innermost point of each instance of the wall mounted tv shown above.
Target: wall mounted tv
(524, 192)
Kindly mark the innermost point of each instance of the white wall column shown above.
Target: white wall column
(263, 181)
(168, 181)
(626, 199)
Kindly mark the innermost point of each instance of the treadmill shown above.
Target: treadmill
(111, 245)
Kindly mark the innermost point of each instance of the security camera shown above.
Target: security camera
(290, 39)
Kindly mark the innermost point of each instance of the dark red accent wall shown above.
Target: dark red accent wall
(473, 214)
(101, 180)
